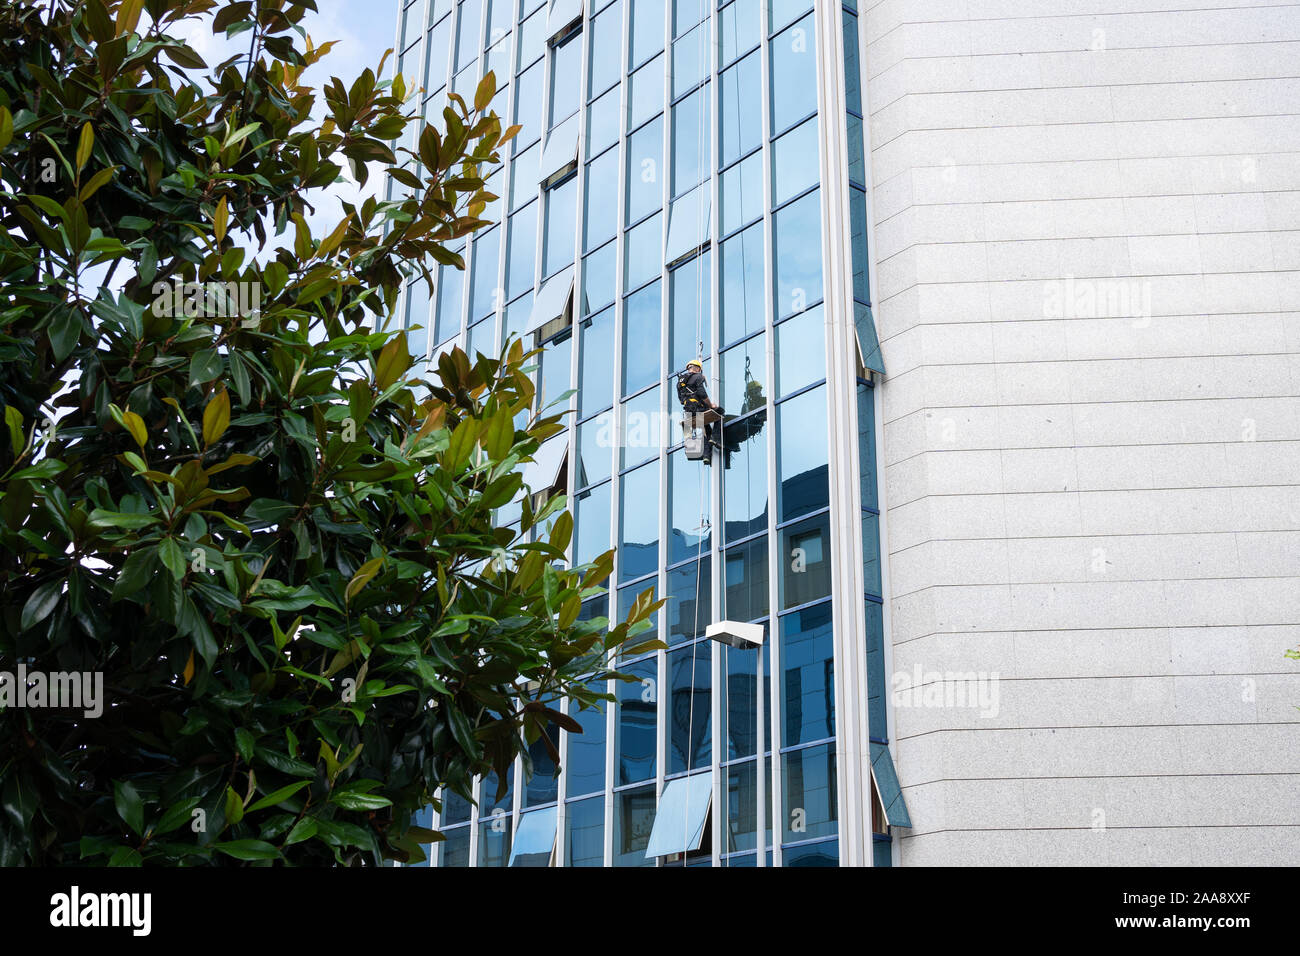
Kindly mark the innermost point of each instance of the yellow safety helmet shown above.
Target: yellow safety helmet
(696, 362)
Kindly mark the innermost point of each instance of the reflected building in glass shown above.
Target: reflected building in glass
(688, 180)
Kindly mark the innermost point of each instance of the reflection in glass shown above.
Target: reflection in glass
(644, 252)
(742, 194)
(867, 447)
(467, 32)
(451, 281)
(690, 141)
(600, 270)
(809, 785)
(744, 488)
(606, 44)
(595, 449)
(794, 74)
(813, 854)
(523, 181)
(484, 298)
(794, 162)
(528, 106)
(544, 785)
(871, 553)
(639, 522)
(642, 317)
(802, 454)
(601, 219)
(586, 830)
(746, 581)
(689, 60)
(561, 215)
(642, 434)
(638, 702)
(596, 374)
(744, 367)
(647, 30)
(800, 351)
(519, 257)
(807, 676)
(691, 285)
(634, 818)
(690, 729)
(689, 601)
(591, 524)
(740, 29)
(602, 122)
(797, 254)
(742, 284)
(688, 490)
(454, 850)
(741, 807)
(586, 766)
(741, 109)
(626, 598)
(566, 71)
(494, 839)
(532, 39)
(644, 157)
(645, 95)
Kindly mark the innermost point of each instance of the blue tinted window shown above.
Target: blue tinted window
(494, 840)
(641, 427)
(691, 285)
(417, 305)
(807, 675)
(740, 28)
(802, 454)
(744, 368)
(435, 65)
(557, 362)
(600, 270)
(586, 769)
(647, 30)
(746, 580)
(642, 317)
(489, 800)
(797, 253)
(561, 221)
(602, 122)
(741, 109)
(742, 283)
(800, 351)
(689, 495)
(451, 282)
(637, 707)
(783, 11)
(871, 552)
(809, 786)
(826, 853)
(438, 9)
(742, 194)
(740, 727)
(858, 242)
(690, 60)
(595, 450)
(644, 244)
(634, 818)
(601, 219)
(524, 176)
(690, 729)
(626, 598)
(517, 314)
(690, 141)
(467, 32)
(689, 600)
(794, 74)
(591, 524)
(687, 13)
(501, 17)
(645, 95)
(532, 39)
(744, 485)
(544, 785)
(455, 809)
(606, 44)
(566, 72)
(852, 64)
(867, 446)
(639, 522)
(484, 297)
(482, 338)
(454, 850)
(644, 159)
(497, 63)
(528, 106)
(876, 684)
(586, 826)
(794, 162)
(596, 376)
(519, 259)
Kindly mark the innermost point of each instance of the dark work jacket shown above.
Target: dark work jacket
(692, 389)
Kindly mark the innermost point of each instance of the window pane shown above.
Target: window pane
(802, 454)
(797, 253)
(435, 66)
(741, 109)
(518, 313)
(455, 808)
(647, 29)
(688, 222)
(857, 157)
(634, 818)
(519, 259)
(544, 785)
(800, 351)
(561, 221)
(586, 828)
(871, 553)
(600, 269)
(815, 854)
(639, 523)
(858, 243)
(637, 706)
(687, 13)
(794, 74)
(488, 801)
(484, 297)
(532, 39)
(744, 367)
(626, 598)
(744, 486)
(740, 728)
(467, 32)
(746, 581)
(601, 219)
(867, 446)
(809, 792)
(501, 17)
(783, 11)
(741, 808)
(495, 185)
(689, 60)
(523, 183)
(595, 450)
(438, 9)
(557, 362)
(644, 157)
(494, 840)
(454, 850)
(645, 96)
(451, 281)
(876, 689)
(644, 244)
(418, 313)
(591, 524)
(689, 491)
(689, 600)
(852, 65)
(690, 729)
(528, 107)
(586, 769)
(596, 376)
(742, 194)
(807, 676)
(742, 283)
(606, 44)
(794, 162)
(642, 428)
(740, 29)
(641, 320)
(566, 72)
(482, 338)
(692, 321)
(602, 122)
(690, 141)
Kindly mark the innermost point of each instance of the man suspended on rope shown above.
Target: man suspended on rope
(698, 410)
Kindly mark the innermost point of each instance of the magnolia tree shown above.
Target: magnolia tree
(255, 603)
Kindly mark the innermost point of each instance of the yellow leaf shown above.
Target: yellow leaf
(363, 576)
(84, 145)
(135, 425)
(331, 242)
(128, 16)
(220, 219)
(216, 417)
(189, 669)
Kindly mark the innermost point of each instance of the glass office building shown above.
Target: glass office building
(688, 180)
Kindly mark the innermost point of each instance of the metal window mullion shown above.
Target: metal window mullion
(773, 483)
(474, 821)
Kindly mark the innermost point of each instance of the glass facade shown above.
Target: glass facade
(692, 212)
